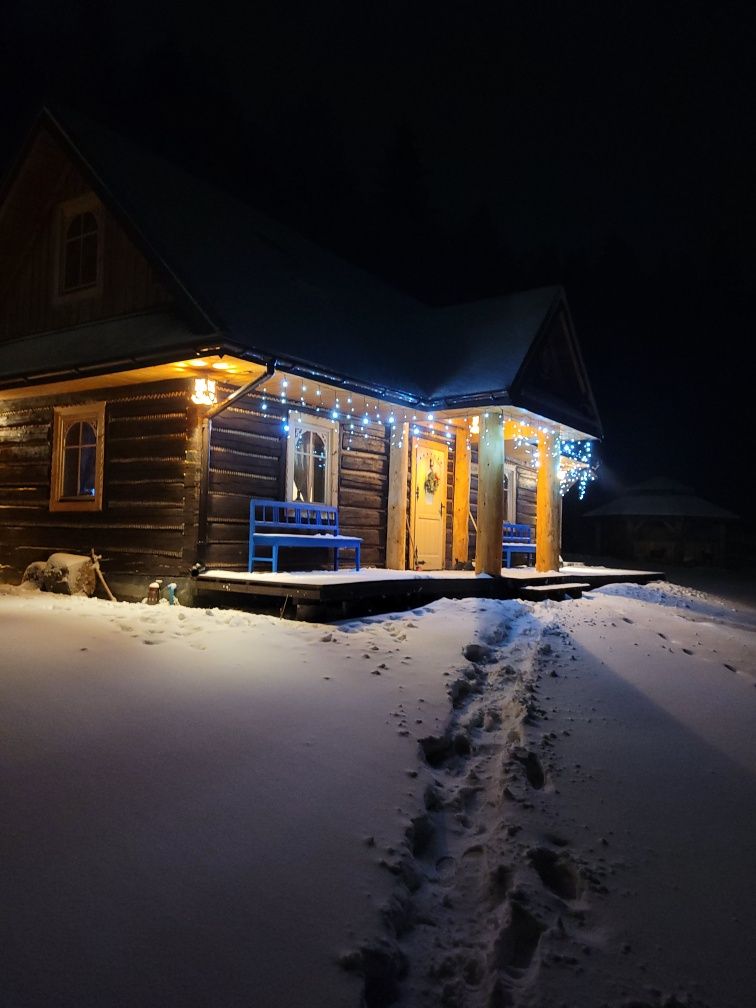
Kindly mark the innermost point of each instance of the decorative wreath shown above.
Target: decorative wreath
(431, 481)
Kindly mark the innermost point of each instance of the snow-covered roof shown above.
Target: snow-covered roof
(264, 292)
(661, 497)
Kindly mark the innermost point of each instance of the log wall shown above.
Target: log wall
(363, 490)
(248, 459)
(148, 522)
(526, 495)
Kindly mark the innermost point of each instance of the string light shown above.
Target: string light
(576, 466)
(582, 469)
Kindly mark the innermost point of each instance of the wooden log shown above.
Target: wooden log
(364, 481)
(490, 496)
(68, 574)
(461, 499)
(396, 526)
(356, 518)
(358, 463)
(547, 503)
(368, 499)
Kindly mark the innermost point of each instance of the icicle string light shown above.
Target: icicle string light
(582, 469)
(576, 464)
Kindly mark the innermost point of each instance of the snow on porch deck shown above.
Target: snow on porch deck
(375, 583)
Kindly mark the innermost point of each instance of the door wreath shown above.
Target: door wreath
(431, 480)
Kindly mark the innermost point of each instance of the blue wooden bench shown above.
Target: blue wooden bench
(517, 538)
(273, 524)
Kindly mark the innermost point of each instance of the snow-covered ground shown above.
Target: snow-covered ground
(478, 804)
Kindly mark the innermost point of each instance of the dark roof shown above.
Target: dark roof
(661, 497)
(267, 292)
(128, 342)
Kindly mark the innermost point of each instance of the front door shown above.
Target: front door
(428, 500)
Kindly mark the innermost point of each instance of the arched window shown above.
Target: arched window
(77, 460)
(310, 462)
(79, 261)
(312, 459)
(79, 454)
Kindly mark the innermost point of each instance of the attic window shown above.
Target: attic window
(80, 247)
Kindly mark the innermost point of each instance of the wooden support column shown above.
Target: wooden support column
(548, 503)
(396, 525)
(490, 496)
(460, 537)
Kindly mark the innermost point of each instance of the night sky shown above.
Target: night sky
(463, 151)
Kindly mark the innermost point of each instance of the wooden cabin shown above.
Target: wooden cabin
(664, 521)
(167, 353)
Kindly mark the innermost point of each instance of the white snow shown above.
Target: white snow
(349, 576)
(213, 808)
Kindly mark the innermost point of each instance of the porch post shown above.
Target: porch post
(548, 503)
(490, 495)
(460, 538)
(396, 523)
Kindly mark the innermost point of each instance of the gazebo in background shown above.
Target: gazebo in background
(664, 521)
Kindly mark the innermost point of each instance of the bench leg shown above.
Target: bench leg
(274, 562)
(357, 557)
(336, 558)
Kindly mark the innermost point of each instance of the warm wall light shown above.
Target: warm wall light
(204, 392)
(475, 425)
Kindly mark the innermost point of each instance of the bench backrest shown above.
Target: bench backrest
(292, 516)
(513, 532)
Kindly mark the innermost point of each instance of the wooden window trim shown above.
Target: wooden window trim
(322, 426)
(510, 470)
(88, 203)
(63, 417)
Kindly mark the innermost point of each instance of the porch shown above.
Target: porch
(323, 594)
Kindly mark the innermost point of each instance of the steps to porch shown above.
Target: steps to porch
(557, 592)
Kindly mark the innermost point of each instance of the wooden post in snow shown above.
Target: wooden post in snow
(460, 537)
(490, 495)
(396, 524)
(548, 503)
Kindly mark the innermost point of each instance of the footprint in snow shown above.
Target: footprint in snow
(445, 869)
(557, 871)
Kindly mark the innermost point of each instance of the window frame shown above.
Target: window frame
(331, 433)
(63, 417)
(88, 203)
(510, 471)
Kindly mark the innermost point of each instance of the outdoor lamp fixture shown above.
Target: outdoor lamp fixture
(204, 392)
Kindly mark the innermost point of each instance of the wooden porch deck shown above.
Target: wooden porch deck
(381, 590)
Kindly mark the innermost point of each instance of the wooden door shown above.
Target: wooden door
(428, 500)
